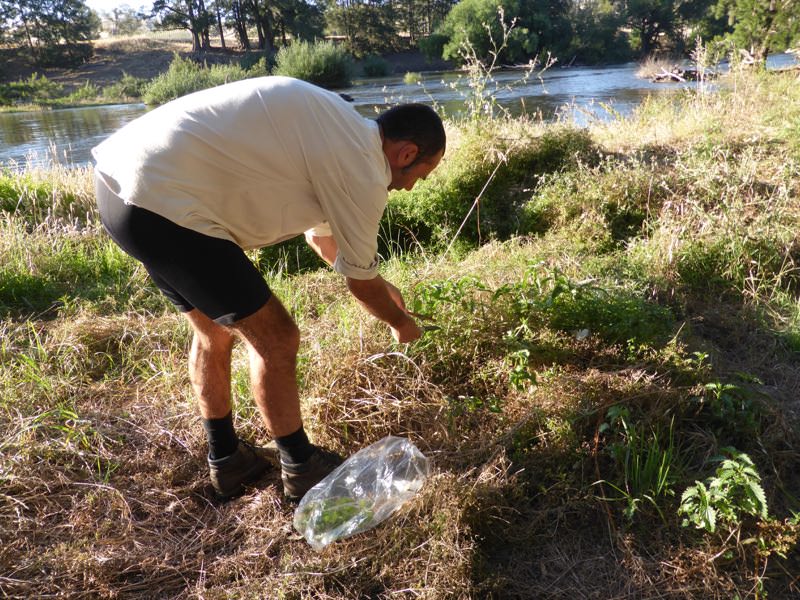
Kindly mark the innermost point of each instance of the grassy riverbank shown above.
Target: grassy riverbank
(634, 318)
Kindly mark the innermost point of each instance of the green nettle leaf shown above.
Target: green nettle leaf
(710, 522)
(734, 490)
(760, 498)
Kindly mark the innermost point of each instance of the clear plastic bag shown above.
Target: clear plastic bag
(362, 492)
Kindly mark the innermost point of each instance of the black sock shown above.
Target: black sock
(295, 447)
(222, 440)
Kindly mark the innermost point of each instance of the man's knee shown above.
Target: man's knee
(270, 331)
(209, 336)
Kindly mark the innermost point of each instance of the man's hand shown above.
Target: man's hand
(408, 333)
(384, 301)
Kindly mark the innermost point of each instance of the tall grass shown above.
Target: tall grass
(620, 311)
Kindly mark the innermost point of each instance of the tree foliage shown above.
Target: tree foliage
(585, 31)
(597, 33)
(539, 26)
(270, 20)
(52, 29)
(761, 26)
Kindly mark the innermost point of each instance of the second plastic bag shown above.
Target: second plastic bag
(362, 492)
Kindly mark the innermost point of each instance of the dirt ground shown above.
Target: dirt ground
(146, 58)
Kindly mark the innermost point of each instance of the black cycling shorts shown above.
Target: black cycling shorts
(192, 269)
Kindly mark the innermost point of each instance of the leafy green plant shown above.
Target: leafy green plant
(127, 87)
(412, 78)
(729, 410)
(36, 89)
(185, 76)
(613, 313)
(88, 91)
(482, 189)
(735, 490)
(375, 66)
(328, 514)
(520, 375)
(321, 63)
(473, 404)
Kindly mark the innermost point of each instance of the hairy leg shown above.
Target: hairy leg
(210, 365)
(272, 339)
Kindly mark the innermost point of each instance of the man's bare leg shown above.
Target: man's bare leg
(232, 464)
(273, 339)
(210, 365)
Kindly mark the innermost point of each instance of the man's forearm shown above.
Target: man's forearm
(374, 296)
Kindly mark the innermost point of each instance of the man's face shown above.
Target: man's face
(404, 178)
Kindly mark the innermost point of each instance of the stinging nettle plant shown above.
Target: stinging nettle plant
(734, 491)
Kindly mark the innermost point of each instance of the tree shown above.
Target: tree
(186, 14)
(237, 18)
(761, 26)
(651, 20)
(700, 20)
(368, 26)
(597, 33)
(299, 20)
(124, 20)
(52, 29)
(420, 18)
(539, 26)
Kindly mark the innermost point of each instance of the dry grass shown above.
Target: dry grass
(142, 43)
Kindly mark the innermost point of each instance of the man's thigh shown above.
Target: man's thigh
(193, 270)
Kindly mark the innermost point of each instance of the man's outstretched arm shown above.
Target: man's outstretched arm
(383, 300)
(379, 297)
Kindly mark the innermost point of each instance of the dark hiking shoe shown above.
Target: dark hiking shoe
(298, 478)
(229, 474)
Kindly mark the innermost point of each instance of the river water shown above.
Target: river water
(581, 94)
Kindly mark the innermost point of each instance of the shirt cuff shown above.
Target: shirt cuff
(354, 271)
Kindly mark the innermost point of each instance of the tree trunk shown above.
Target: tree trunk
(240, 24)
(219, 26)
(194, 29)
(203, 22)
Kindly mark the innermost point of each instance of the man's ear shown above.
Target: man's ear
(407, 154)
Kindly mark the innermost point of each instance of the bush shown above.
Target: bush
(435, 208)
(321, 63)
(88, 91)
(127, 87)
(36, 88)
(376, 66)
(65, 55)
(432, 46)
(185, 76)
(261, 62)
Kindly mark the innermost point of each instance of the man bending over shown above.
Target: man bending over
(189, 186)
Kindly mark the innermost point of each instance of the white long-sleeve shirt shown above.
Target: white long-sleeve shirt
(256, 162)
